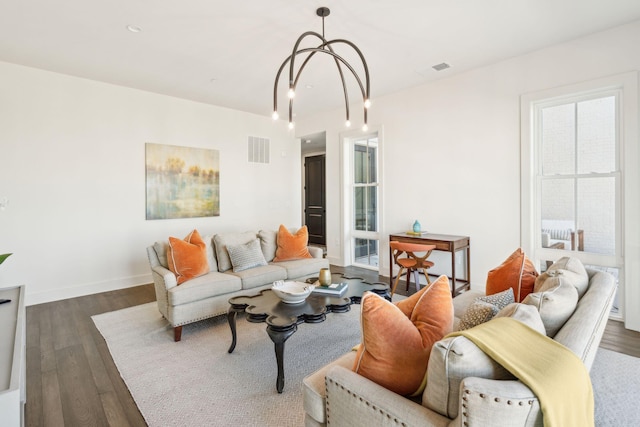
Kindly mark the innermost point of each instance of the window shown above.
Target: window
(577, 180)
(579, 174)
(365, 226)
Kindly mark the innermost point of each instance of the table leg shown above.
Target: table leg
(453, 273)
(231, 318)
(468, 267)
(390, 267)
(279, 336)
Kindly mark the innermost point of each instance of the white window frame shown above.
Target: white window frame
(627, 257)
(350, 234)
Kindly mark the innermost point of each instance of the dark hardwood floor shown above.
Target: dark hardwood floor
(72, 380)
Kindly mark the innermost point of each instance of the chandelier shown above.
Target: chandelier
(325, 47)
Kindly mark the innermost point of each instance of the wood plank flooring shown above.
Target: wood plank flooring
(72, 380)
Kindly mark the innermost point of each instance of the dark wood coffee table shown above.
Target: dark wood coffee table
(283, 319)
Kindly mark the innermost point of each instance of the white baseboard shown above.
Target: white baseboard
(86, 289)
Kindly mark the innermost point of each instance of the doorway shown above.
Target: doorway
(314, 167)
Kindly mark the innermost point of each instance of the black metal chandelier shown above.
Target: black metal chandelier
(326, 48)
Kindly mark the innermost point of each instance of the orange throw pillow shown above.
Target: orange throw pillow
(187, 258)
(516, 272)
(292, 246)
(397, 338)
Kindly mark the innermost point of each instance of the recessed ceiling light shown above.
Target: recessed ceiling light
(213, 80)
(309, 86)
(308, 141)
(442, 66)
(134, 28)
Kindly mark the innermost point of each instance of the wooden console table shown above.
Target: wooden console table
(445, 243)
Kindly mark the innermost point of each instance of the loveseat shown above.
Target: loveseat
(464, 386)
(207, 295)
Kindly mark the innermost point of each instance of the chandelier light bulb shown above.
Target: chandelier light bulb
(365, 127)
(275, 115)
(290, 125)
(292, 93)
(348, 123)
(367, 103)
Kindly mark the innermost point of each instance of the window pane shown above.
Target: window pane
(558, 139)
(373, 162)
(372, 209)
(557, 207)
(360, 164)
(366, 252)
(597, 135)
(596, 214)
(360, 208)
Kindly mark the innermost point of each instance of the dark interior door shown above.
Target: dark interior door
(314, 199)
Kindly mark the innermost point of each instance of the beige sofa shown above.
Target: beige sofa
(472, 392)
(208, 295)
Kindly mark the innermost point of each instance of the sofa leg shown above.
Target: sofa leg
(177, 333)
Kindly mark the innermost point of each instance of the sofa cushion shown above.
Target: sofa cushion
(292, 246)
(222, 240)
(206, 286)
(161, 248)
(187, 258)
(484, 308)
(246, 255)
(555, 299)
(525, 313)
(259, 276)
(572, 269)
(453, 359)
(516, 272)
(210, 249)
(395, 347)
(478, 312)
(456, 358)
(300, 268)
(268, 243)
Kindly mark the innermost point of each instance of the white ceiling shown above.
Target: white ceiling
(227, 52)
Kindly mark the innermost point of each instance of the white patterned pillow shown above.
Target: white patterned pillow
(221, 241)
(500, 300)
(478, 312)
(246, 255)
(485, 308)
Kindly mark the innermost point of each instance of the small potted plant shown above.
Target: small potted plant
(3, 257)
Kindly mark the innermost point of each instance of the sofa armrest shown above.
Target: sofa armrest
(164, 277)
(315, 251)
(353, 399)
(485, 402)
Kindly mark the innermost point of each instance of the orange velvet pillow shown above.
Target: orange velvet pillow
(516, 272)
(187, 258)
(397, 338)
(292, 246)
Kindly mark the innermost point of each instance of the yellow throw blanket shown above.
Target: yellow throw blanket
(553, 372)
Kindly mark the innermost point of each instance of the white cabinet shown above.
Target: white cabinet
(12, 356)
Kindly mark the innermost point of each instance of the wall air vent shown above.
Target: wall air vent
(442, 66)
(258, 150)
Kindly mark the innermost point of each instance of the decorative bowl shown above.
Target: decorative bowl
(292, 292)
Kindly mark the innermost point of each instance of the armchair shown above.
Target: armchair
(562, 235)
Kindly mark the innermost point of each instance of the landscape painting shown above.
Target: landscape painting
(182, 182)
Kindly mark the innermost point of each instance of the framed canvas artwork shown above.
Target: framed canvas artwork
(182, 182)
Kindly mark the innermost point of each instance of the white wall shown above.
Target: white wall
(72, 165)
(457, 141)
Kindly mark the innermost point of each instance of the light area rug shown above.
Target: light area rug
(197, 383)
